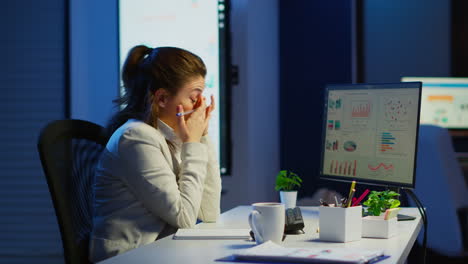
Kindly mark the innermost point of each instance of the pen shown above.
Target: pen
(350, 198)
(353, 185)
(363, 195)
(336, 201)
(185, 113)
(323, 203)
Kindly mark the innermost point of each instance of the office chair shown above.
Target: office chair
(441, 187)
(69, 151)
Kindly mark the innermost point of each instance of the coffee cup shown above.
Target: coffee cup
(267, 222)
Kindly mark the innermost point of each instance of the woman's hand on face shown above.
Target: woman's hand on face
(192, 129)
(208, 110)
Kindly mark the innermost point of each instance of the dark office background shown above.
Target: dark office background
(356, 41)
(315, 49)
(320, 42)
(33, 79)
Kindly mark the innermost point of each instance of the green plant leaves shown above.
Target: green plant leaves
(287, 181)
(378, 202)
(393, 203)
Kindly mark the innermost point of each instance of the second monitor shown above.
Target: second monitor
(444, 101)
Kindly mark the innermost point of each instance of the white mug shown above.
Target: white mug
(267, 222)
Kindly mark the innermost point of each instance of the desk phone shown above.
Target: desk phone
(294, 221)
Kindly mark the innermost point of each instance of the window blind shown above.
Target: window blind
(32, 84)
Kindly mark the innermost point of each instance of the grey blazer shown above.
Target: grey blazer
(143, 191)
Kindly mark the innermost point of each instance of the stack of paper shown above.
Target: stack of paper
(199, 233)
(270, 251)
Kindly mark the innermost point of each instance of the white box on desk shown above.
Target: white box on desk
(377, 227)
(338, 224)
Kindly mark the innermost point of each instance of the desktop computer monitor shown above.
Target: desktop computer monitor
(444, 101)
(370, 133)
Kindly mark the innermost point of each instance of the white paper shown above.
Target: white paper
(271, 251)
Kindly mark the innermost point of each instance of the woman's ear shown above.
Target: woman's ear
(160, 97)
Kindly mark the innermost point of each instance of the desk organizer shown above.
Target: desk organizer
(339, 224)
(377, 227)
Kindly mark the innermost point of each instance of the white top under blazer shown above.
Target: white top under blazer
(143, 192)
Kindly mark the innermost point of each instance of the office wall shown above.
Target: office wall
(406, 38)
(255, 122)
(315, 49)
(255, 103)
(94, 59)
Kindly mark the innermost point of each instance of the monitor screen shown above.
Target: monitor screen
(199, 26)
(370, 133)
(444, 101)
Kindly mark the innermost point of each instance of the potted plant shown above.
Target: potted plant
(287, 182)
(379, 202)
(375, 224)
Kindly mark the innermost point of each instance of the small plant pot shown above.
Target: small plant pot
(288, 198)
(377, 227)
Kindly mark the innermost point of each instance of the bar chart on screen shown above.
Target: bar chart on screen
(343, 167)
(387, 142)
(332, 145)
(391, 144)
(360, 109)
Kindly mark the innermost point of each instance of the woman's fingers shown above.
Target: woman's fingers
(208, 111)
(213, 104)
(198, 103)
(201, 108)
(203, 103)
(181, 118)
(211, 107)
(207, 120)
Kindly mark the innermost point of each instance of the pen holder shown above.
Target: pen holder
(377, 227)
(339, 224)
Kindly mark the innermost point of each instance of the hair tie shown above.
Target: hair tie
(148, 53)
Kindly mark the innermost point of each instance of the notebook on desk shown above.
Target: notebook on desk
(201, 233)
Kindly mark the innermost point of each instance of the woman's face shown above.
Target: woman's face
(187, 96)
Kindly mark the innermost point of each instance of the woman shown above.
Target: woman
(158, 171)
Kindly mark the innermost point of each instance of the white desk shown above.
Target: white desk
(171, 251)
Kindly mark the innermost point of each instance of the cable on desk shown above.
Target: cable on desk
(422, 211)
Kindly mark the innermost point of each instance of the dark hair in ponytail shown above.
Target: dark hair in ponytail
(144, 72)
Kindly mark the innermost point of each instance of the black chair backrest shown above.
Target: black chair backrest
(69, 151)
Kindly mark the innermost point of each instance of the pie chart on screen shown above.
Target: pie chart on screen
(349, 146)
